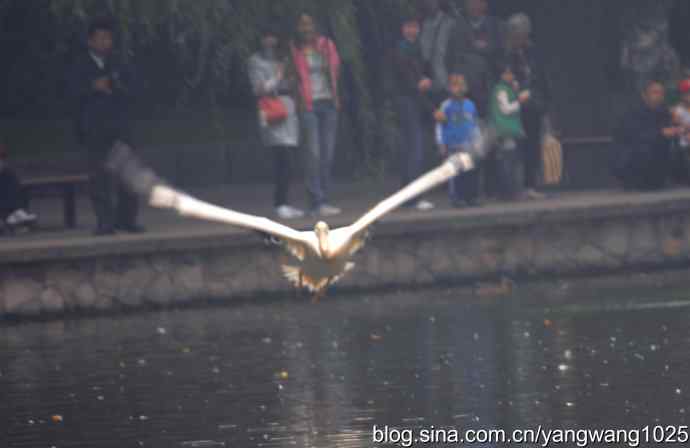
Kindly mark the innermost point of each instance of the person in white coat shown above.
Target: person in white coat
(268, 76)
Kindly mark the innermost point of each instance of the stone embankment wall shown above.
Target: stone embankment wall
(447, 246)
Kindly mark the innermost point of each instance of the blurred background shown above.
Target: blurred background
(197, 103)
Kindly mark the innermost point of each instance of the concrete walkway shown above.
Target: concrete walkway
(51, 240)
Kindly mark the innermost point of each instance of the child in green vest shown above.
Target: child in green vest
(504, 118)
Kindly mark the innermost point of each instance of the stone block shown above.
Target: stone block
(519, 254)
(135, 278)
(106, 282)
(613, 239)
(644, 240)
(188, 281)
(66, 281)
(161, 290)
(52, 301)
(408, 267)
(218, 267)
(85, 296)
(22, 295)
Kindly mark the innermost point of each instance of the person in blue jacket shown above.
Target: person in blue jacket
(457, 130)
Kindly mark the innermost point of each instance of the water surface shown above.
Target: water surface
(293, 374)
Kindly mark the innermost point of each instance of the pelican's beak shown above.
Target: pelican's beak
(322, 230)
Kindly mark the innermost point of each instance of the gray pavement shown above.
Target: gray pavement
(354, 197)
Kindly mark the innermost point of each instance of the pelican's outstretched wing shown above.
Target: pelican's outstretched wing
(454, 165)
(163, 196)
(124, 163)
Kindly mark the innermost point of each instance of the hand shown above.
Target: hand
(443, 150)
(670, 132)
(103, 85)
(439, 116)
(524, 96)
(424, 85)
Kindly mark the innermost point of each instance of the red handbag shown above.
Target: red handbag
(272, 109)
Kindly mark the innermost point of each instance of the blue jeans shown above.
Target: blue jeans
(320, 126)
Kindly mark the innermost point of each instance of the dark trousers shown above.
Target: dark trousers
(680, 164)
(412, 135)
(532, 121)
(282, 169)
(647, 170)
(465, 187)
(12, 195)
(113, 203)
(508, 168)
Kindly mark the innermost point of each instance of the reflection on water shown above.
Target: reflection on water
(284, 375)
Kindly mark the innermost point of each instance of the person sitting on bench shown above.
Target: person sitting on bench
(13, 200)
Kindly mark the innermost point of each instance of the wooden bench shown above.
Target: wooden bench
(66, 185)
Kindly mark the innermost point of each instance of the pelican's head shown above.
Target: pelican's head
(322, 231)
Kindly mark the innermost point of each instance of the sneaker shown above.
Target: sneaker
(424, 206)
(328, 210)
(13, 219)
(25, 216)
(289, 212)
(534, 194)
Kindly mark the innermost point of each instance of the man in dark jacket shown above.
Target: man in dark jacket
(643, 142)
(102, 91)
(412, 84)
(476, 46)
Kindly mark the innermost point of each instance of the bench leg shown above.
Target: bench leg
(70, 209)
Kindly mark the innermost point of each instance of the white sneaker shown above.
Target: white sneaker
(424, 206)
(289, 212)
(25, 217)
(328, 210)
(13, 219)
(535, 195)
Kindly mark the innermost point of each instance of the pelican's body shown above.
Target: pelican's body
(322, 256)
(323, 260)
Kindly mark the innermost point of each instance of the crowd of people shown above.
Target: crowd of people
(453, 76)
(448, 72)
(463, 70)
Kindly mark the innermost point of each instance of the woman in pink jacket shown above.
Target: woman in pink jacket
(317, 63)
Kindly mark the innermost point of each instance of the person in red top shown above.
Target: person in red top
(317, 63)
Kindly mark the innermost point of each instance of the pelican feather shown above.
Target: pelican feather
(323, 256)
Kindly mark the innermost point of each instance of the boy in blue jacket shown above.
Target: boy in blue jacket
(457, 131)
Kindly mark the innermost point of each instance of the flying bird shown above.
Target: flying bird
(319, 257)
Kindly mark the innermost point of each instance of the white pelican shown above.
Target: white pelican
(322, 256)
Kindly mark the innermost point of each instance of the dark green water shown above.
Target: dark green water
(294, 374)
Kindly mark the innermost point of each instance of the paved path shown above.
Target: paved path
(355, 198)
